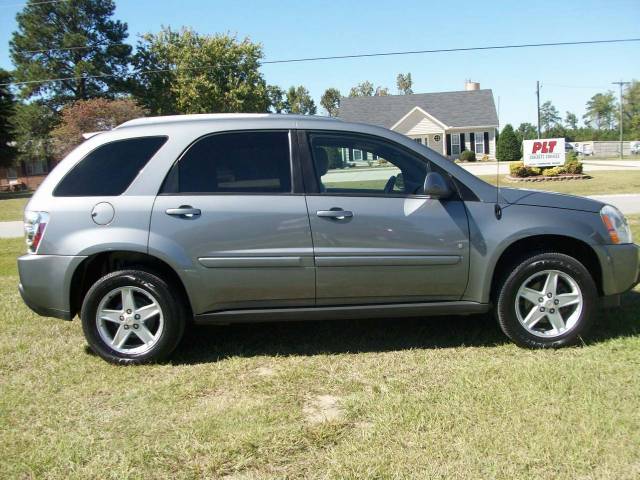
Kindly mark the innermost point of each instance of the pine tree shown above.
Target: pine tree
(7, 112)
(508, 148)
(70, 39)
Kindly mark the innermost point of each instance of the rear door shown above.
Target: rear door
(376, 238)
(230, 217)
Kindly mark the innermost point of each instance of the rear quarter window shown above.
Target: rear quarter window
(109, 169)
(235, 162)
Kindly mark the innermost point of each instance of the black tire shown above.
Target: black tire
(523, 270)
(168, 298)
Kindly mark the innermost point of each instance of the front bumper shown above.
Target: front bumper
(620, 267)
(45, 282)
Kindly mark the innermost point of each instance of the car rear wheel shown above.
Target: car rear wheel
(132, 317)
(548, 300)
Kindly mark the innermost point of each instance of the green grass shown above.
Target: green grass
(602, 183)
(11, 209)
(430, 398)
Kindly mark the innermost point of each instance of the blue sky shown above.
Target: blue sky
(294, 28)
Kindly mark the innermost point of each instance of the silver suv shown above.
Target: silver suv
(215, 219)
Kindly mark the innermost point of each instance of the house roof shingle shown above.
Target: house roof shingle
(454, 109)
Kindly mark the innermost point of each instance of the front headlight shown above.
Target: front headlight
(616, 225)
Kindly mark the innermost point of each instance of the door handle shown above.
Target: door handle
(335, 213)
(184, 211)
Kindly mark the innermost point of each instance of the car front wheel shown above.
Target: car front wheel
(548, 300)
(132, 317)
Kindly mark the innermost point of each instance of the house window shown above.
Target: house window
(455, 144)
(419, 140)
(36, 167)
(357, 155)
(426, 141)
(479, 138)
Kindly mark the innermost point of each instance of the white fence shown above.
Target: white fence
(603, 148)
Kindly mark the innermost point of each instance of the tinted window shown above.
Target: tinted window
(109, 169)
(234, 162)
(360, 164)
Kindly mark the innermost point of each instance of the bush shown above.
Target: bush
(571, 157)
(508, 147)
(518, 169)
(574, 168)
(572, 165)
(553, 172)
(467, 156)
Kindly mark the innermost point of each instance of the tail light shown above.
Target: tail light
(34, 226)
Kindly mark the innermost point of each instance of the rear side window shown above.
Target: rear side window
(109, 169)
(237, 162)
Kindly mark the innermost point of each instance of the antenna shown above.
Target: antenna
(497, 209)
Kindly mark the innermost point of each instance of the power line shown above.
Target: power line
(342, 57)
(31, 4)
(600, 87)
(86, 47)
(380, 54)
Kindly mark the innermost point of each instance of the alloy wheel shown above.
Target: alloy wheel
(130, 320)
(549, 303)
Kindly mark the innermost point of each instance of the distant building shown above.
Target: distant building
(447, 122)
(26, 175)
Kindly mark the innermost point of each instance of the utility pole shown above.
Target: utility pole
(621, 84)
(538, 96)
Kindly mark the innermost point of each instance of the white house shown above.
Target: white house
(448, 122)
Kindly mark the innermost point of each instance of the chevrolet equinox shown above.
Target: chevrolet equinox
(214, 219)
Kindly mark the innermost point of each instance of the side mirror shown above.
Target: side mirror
(436, 187)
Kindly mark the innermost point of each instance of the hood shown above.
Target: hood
(537, 198)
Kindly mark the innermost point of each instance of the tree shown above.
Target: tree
(381, 92)
(93, 115)
(366, 89)
(50, 43)
(206, 73)
(299, 101)
(571, 120)
(33, 123)
(549, 116)
(276, 98)
(508, 148)
(601, 109)
(7, 112)
(404, 83)
(526, 131)
(331, 101)
(363, 89)
(631, 110)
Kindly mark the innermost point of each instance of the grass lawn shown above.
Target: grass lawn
(440, 397)
(12, 209)
(602, 183)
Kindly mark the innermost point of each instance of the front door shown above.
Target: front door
(376, 238)
(228, 218)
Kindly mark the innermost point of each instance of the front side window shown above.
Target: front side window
(455, 144)
(479, 138)
(392, 170)
(109, 169)
(237, 162)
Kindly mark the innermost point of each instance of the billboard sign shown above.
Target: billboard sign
(543, 153)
